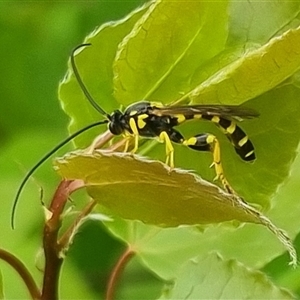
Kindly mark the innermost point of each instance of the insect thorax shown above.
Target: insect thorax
(148, 124)
(119, 122)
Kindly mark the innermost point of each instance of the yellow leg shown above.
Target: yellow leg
(208, 142)
(127, 144)
(169, 149)
(135, 131)
(215, 148)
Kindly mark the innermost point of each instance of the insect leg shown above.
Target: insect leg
(126, 142)
(208, 142)
(135, 132)
(164, 137)
(168, 136)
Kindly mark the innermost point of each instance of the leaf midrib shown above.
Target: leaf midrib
(171, 68)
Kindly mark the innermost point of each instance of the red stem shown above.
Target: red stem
(23, 272)
(117, 272)
(53, 258)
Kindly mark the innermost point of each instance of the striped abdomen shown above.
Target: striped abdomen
(238, 138)
(242, 145)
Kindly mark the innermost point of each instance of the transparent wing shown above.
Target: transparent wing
(230, 111)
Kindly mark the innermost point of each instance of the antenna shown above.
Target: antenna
(82, 85)
(55, 149)
(42, 160)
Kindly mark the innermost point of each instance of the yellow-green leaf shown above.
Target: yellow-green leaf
(157, 59)
(134, 188)
(254, 73)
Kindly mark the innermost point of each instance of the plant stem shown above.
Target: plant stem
(14, 262)
(67, 236)
(53, 257)
(117, 272)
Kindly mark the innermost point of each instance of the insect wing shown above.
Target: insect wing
(231, 111)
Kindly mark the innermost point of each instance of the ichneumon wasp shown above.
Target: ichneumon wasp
(154, 120)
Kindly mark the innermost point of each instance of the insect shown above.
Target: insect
(154, 120)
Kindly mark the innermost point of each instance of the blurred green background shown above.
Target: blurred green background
(36, 40)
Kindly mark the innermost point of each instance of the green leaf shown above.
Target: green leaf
(255, 72)
(95, 67)
(254, 21)
(157, 59)
(154, 194)
(183, 197)
(275, 133)
(197, 280)
(276, 125)
(164, 250)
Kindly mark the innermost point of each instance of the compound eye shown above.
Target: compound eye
(115, 128)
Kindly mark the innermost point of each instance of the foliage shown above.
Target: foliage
(203, 52)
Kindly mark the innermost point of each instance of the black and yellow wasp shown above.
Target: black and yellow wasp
(154, 120)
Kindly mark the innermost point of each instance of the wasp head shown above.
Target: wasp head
(116, 124)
